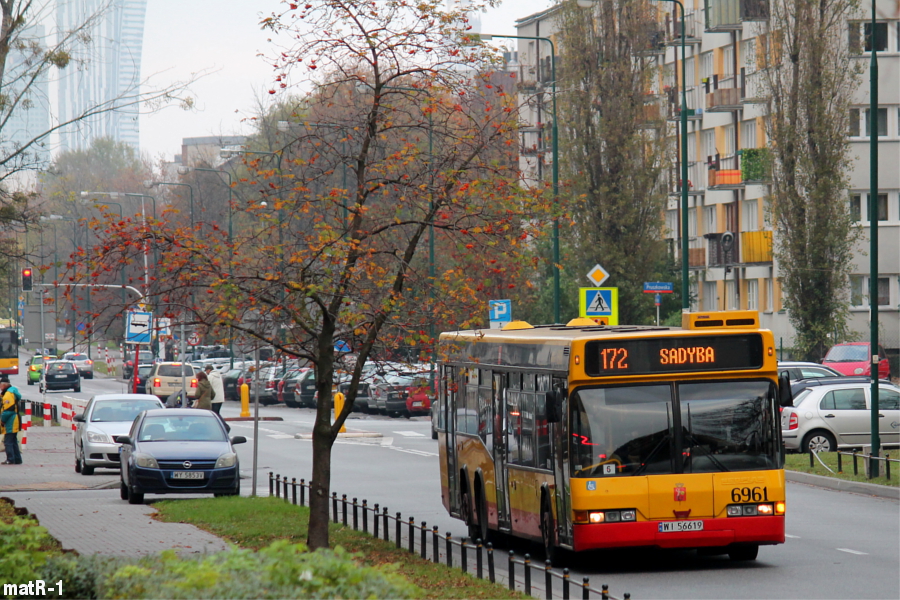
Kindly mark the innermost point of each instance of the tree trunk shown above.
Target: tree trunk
(323, 438)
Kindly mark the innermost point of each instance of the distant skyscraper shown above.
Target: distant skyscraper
(111, 69)
(30, 117)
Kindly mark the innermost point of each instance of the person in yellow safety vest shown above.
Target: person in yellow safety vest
(10, 421)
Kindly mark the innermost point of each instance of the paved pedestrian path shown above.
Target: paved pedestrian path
(85, 513)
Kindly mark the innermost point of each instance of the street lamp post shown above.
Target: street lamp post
(53, 219)
(554, 153)
(874, 355)
(152, 184)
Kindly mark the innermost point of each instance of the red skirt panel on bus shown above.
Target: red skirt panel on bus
(716, 532)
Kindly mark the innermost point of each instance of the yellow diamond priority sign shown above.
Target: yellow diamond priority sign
(597, 275)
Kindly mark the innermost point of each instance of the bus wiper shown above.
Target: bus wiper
(693, 441)
(652, 454)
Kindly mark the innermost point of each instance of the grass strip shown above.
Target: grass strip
(257, 522)
(800, 463)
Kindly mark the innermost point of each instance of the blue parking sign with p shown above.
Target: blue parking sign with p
(500, 310)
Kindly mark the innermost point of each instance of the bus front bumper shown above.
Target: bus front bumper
(716, 532)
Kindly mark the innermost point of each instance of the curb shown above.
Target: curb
(357, 434)
(251, 419)
(841, 485)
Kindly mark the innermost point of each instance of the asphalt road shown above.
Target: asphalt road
(840, 545)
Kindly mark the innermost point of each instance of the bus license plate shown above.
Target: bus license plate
(670, 526)
(187, 475)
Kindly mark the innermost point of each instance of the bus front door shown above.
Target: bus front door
(560, 452)
(500, 427)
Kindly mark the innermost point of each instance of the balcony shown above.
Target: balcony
(696, 179)
(718, 256)
(730, 15)
(756, 165)
(655, 42)
(691, 30)
(753, 87)
(697, 258)
(723, 97)
(694, 97)
(757, 246)
(725, 173)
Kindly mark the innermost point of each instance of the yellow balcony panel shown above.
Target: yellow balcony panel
(756, 246)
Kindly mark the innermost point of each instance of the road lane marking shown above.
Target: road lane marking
(796, 537)
(280, 436)
(410, 433)
(849, 551)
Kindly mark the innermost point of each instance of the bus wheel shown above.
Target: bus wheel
(466, 510)
(551, 550)
(747, 552)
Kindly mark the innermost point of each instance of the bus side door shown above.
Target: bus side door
(499, 450)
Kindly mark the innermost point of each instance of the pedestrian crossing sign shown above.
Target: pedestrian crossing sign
(599, 302)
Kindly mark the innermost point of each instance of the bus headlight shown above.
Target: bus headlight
(765, 509)
(596, 517)
(734, 510)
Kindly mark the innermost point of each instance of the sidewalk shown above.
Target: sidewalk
(85, 513)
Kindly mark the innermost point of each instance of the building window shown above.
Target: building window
(672, 223)
(750, 216)
(859, 291)
(748, 134)
(770, 294)
(709, 296)
(752, 294)
(882, 207)
(856, 207)
(710, 219)
(861, 38)
(706, 65)
(709, 144)
(730, 296)
(727, 62)
(860, 122)
(692, 222)
(749, 56)
(729, 140)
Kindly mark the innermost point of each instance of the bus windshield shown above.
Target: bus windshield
(9, 344)
(689, 427)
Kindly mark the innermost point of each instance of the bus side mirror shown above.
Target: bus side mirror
(554, 402)
(784, 390)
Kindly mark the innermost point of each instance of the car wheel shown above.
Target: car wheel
(123, 490)
(90, 375)
(819, 441)
(30, 382)
(748, 552)
(433, 433)
(77, 389)
(77, 462)
(40, 389)
(135, 498)
(86, 470)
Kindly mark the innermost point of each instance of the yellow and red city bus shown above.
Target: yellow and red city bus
(587, 436)
(9, 351)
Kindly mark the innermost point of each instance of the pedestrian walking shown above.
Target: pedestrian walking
(204, 392)
(218, 386)
(10, 421)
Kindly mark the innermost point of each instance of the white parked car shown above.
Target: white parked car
(84, 364)
(831, 416)
(104, 420)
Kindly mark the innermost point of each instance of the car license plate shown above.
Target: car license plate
(59, 377)
(670, 526)
(188, 475)
(417, 404)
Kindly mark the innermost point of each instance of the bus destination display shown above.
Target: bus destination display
(667, 355)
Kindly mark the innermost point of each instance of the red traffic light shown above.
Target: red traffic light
(26, 280)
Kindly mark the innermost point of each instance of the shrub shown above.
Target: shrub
(81, 575)
(23, 545)
(282, 570)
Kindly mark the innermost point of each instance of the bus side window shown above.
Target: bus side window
(526, 431)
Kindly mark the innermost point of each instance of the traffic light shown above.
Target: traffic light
(26, 280)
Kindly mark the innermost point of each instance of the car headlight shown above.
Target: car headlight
(146, 461)
(226, 460)
(98, 437)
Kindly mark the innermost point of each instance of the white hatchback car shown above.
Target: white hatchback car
(84, 364)
(831, 416)
(97, 430)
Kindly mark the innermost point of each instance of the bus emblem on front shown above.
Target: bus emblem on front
(680, 492)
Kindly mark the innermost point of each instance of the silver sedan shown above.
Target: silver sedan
(104, 420)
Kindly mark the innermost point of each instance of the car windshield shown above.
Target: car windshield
(182, 428)
(109, 411)
(60, 368)
(680, 428)
(855, 353)
(145, 357)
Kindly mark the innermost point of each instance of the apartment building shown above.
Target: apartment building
(730, 239)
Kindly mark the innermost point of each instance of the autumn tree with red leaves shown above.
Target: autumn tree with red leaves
(405, 132)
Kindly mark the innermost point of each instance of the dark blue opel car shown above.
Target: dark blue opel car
(178, 451)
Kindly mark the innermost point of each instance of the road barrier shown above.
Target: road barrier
(279, 487)
(867, 458)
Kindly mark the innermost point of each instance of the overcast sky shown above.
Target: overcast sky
(182, 37)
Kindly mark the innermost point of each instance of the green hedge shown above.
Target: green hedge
(281, 570)
(755, 164)
(23, 549)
